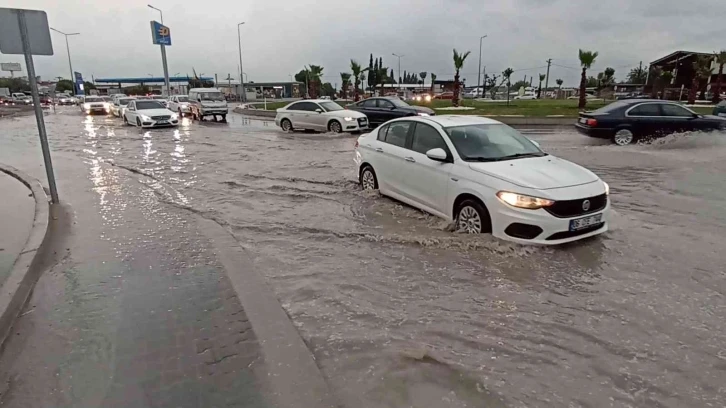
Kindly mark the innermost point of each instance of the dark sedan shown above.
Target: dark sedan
(383, 109)
(624, 122)
(720, 109)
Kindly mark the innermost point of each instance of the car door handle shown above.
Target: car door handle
(379, 150)
(410, 159)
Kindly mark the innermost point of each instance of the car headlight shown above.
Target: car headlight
(607, 188)
(174, 116)
(145, 118)
(418, 98)
(428, 98)
(524, 201)
(348, 119)
(86, 106)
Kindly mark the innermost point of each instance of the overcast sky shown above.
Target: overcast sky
(281, 36)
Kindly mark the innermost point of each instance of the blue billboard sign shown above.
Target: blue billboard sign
(160, 34)
(79, 83)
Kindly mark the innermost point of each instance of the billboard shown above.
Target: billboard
(160, 34)
(79, 83)
(10, 66)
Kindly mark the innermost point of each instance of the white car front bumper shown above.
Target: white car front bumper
(510, 223)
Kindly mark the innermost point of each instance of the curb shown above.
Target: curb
(509, 120)
(18, 286)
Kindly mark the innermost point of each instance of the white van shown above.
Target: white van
(207, 102)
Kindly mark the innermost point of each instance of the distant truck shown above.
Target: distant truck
(5, 92)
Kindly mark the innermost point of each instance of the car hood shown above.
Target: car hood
(155, 112)
(540, 173)
(346, 113)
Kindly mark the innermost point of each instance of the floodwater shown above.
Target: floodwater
(401, 312)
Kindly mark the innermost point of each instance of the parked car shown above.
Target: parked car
(65, 99)
(527, 96)
(207, 102)
(321, 115)
(20, 98)
(160, 98)
(179, 104)
(485, 176)
(626, 121)
(120, 102)
(149, 114)
(422, 98)
(94, 105)
(382, 109)
(444, 95)
(720, 109)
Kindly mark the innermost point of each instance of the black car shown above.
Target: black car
(383, 109)
(720, 109)
(624, 122)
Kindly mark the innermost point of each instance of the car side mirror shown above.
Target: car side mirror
(437, 154)
(319, 110)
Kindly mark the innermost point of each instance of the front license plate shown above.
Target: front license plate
(585, 222)
(162, 122)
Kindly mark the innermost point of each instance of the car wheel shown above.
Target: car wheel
(335, 127)
(138, 122)
(368, 179)
(224, 118)
(286, 125)
(623, 137)
(472, 218)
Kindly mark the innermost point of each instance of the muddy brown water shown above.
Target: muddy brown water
(401, 312)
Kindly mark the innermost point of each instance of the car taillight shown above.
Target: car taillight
(591, 122)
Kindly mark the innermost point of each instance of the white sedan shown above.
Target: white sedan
(118, 106)
(485, 176)
(179, 104)
(321, 115)
(149, 113)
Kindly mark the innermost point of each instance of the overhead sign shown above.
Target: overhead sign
(36, 22)
(160, 34)
(10, 66)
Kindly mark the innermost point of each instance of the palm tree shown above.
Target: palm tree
(345, 82)
(721, 61)
(506, 76)
(382, 78)
(458, 64)
(587, 58)
(539, 89)
(423, 77)
(358, 76)
(559, 86)
(315, 72)
(701, 70)
(433, 79)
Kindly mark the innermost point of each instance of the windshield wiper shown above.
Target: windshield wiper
(519, 155)
(481, 159)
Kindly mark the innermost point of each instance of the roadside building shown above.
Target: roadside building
(680, 65)
(179, 84)
(274, 90)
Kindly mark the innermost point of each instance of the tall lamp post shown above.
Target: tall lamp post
(399, 69)
(70, 65)
(163, 54)
(478, 75)
(241, 70)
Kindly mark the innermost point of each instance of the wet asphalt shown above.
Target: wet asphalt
(397, 309)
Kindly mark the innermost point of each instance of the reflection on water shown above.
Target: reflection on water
(400, 311)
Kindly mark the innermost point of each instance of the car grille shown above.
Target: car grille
(570, 234)
(161, 117)
(96, 105)
(573, 208)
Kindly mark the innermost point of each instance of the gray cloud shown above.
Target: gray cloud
(281, 36)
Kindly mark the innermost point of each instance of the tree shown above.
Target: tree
(382, 77)
(506, 77)
(559, 82)
(327, 89)
(518, 84)
(539, 88)
(373, 77)
(15, 84)
(302, 76)
(637, 75)
(606, 78)
(357, 75)
(433, 80)
(423, 77)
(701, 70)
(721, 61)
(392, 77)
(592, 82)
(64, 85)
(344, 83)
(587, 58)
(87, 86)
(371, 70)
(315, 72)
(458, 65)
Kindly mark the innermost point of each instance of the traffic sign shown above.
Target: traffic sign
(160, 34)
(38, 32)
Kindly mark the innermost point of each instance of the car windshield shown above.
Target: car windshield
(141, 105)
(398, 102)
(491, 142)
(93, 99)
(107, 99)
(611, 107)
(125, 101)
(211, 96)
(183, 98)
(331, 106)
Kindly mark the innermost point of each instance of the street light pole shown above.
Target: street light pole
(478, 75)
(399, 69)
(68, 49)
(241, 70)
(163, 55)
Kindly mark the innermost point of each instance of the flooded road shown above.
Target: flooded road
(400, 312)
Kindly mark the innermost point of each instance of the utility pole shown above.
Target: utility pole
(70, 65)
(399, 69)
(478, 75)
(163, 55)
(484, 85)
(547, 78)
(241, 72)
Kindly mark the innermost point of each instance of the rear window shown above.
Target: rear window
(612, 107)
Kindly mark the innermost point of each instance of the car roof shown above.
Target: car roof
(458, 120)
(313, 100)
